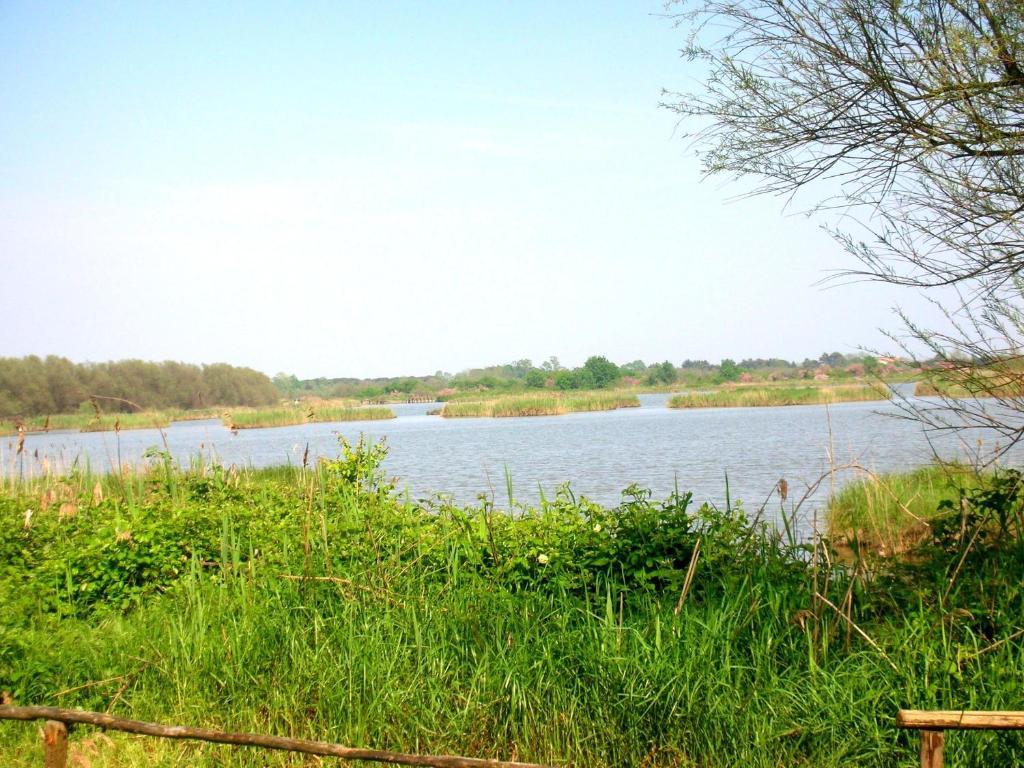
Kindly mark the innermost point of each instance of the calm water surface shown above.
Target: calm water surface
(599, 454)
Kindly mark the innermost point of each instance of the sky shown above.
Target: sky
(387, 188)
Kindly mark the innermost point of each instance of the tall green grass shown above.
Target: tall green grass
(319, 603)
(891, 513)
(540, 404)
(743, 397)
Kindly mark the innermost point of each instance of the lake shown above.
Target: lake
(599, 454)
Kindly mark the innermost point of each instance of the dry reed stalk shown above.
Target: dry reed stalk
(858, 630)
(691, 570)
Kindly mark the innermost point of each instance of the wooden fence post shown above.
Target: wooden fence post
(55, 744)
(932, 743)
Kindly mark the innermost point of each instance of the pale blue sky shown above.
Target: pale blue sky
(383, 188)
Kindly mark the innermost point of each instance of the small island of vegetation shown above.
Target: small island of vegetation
(747, 397)
(304, 413)
(540, 404)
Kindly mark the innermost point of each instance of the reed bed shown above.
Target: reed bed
(540, 404)
(455, 409)
(780, 396)
(81, 422)
(347, 413)
(116, 421)
(258, 418)
(975, 388)
(304, 414)
(197, 414)
(58, 421)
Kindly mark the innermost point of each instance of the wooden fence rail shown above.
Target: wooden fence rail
(55, 740)
(934, 724)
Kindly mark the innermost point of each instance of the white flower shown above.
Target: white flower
(543, 559)
(597, 527)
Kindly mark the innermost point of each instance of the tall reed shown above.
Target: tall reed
(308, 413)
(780, 396)
(342, 413)
(540, 404)
(89, 422)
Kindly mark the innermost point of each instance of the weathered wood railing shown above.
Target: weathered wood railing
(55, 740)
(934, 724)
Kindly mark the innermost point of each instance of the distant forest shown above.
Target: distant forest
(31, 386)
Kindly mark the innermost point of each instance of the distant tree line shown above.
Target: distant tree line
(597, 372)
(831, 359)
(31, 386)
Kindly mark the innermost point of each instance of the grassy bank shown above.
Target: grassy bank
(740, 397)
(58, 421)
(112, 421)
(105, 422)
(540, 404)
(320, 603)
(304, 414)
(236, 418)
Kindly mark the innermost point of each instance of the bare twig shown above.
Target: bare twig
(857, 629)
